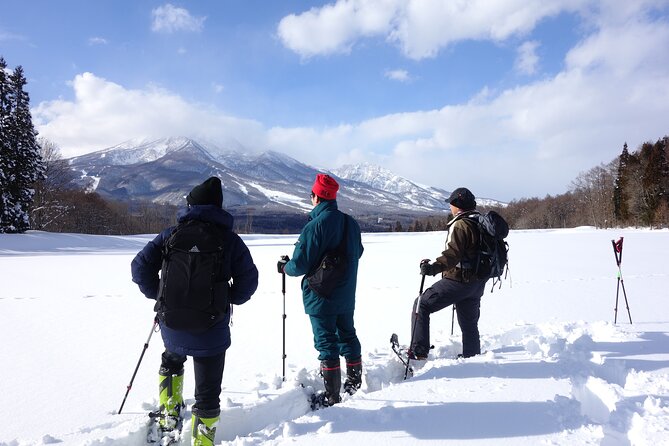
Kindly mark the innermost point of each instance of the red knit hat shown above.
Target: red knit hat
(325, 187)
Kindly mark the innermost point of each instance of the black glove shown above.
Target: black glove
(428, 269)
(281, 264)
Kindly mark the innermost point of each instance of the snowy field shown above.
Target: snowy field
(556, 370)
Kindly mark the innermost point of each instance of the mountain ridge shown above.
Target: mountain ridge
(165, 170)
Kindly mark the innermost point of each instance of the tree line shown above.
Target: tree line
(59, 206)
(630, 190)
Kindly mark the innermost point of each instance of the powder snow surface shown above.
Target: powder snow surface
(556, 369)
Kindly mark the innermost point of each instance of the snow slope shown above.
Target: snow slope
(556, 370)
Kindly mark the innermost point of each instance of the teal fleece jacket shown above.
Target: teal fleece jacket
(321, 234)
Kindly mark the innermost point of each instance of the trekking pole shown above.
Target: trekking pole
(618, 252)
(146, 345)
(283, 290)
(453, 320)
(415, 316)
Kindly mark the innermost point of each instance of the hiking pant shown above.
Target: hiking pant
(334, 335)
(208, 377)
(467, 300)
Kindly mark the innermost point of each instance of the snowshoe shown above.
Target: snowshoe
(320, 400)
(401, 354)
(165, 434)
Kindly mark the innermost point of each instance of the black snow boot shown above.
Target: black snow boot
(331, 372)
(353, 375)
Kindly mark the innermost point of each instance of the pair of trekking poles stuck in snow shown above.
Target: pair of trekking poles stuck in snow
(617, 251)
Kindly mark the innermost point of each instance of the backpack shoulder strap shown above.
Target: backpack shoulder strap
(344, 238)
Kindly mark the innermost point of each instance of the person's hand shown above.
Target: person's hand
(281, 264)
(430, 269)
(426, 268)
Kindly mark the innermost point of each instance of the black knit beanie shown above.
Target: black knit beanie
(209, 192)
(462, 198)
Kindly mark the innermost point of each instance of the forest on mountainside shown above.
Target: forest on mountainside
(630, 190)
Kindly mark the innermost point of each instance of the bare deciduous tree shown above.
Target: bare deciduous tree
(48, 206)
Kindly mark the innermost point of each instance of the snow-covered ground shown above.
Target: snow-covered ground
(556, 369)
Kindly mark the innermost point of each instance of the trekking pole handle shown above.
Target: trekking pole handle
(618, 250)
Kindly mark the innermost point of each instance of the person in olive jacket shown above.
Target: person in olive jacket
(206, 348)
(458, 285)
(332, 316)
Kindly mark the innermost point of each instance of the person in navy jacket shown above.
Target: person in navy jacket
(208, 348)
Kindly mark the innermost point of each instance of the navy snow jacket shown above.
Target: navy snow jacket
(147, 263)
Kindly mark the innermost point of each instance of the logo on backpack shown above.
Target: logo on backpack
(193, 293)
(494, 250)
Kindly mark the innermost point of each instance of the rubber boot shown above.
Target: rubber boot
(170, 387)
(331, 372)
(204, 427)
(353, 375)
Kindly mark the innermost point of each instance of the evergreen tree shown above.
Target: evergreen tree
(23, 163)
(5, 159)
(662, 157)
(654, 179)
(620, 204)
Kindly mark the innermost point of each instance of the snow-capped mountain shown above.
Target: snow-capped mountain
(385, 180)
(165, 170)
(137, 151)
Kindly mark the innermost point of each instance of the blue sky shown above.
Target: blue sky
(510, 98)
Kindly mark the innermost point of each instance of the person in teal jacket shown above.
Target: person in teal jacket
(332, 316)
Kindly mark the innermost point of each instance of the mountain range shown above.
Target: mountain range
(269, 183)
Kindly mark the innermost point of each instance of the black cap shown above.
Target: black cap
(209, 192)
(462, 198)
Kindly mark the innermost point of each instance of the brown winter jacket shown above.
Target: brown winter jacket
(462, 244)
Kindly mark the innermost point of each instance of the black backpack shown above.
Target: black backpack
(493, 257)
(193, 293)
(331, 269)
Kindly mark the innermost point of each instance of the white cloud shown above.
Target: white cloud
(104, 114)
(614, 88)
(527, 59)
(421, 28)
(97, 41)
(398, 75)
(334, 28)
(169, 19)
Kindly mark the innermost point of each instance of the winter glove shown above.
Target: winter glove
(425, 267)
(281, 264)
(428, 269)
